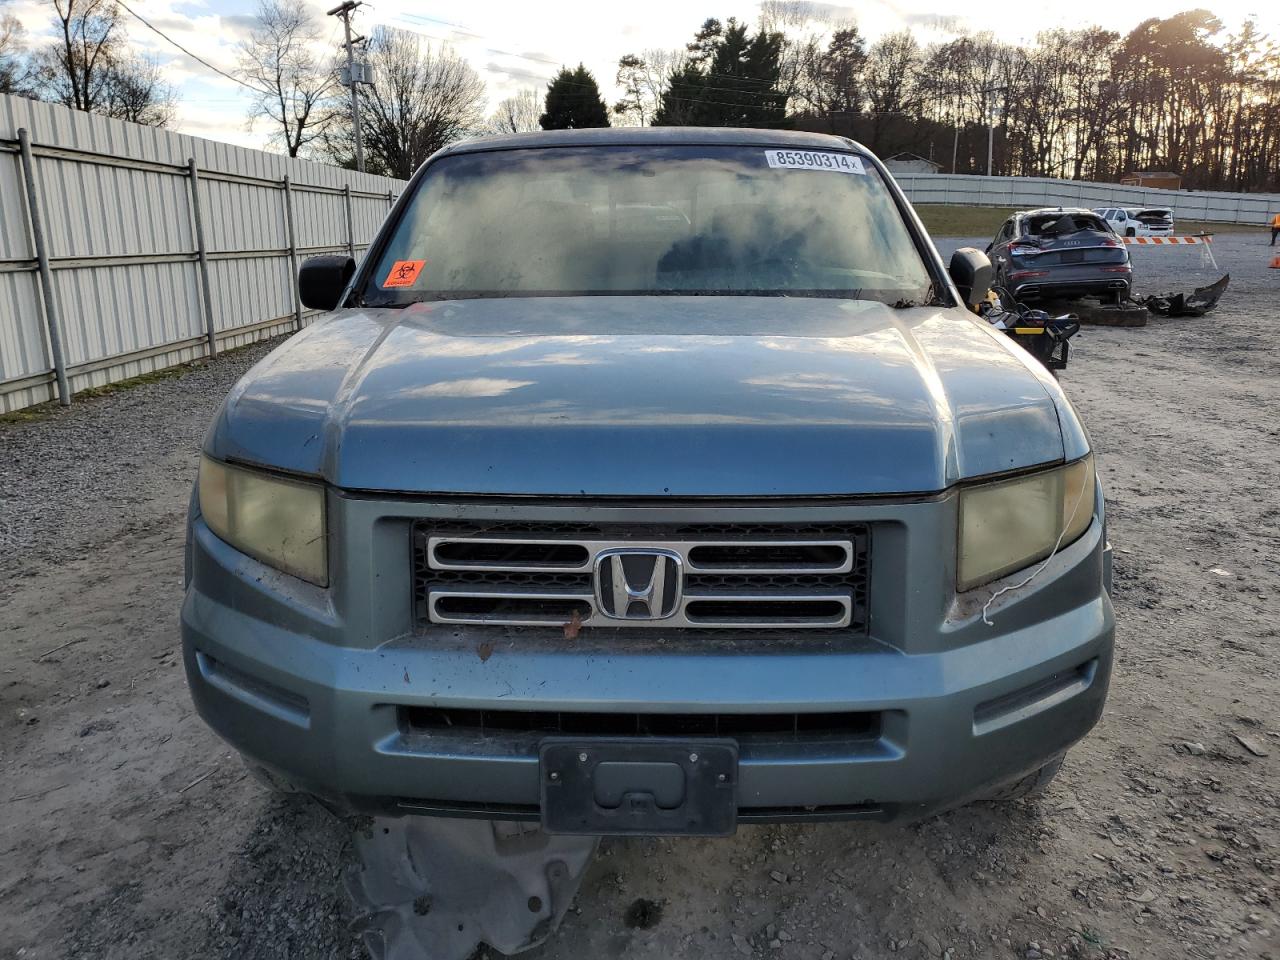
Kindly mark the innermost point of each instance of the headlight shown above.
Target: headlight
(1010, 524)
(278, 521)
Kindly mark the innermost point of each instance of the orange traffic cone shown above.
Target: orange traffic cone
(1275, 262)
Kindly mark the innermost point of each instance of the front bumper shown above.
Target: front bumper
(297, 680)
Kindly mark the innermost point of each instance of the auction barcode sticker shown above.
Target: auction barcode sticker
(815, 160)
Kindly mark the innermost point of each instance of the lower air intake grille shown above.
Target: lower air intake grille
(748, 727)
(674, 577)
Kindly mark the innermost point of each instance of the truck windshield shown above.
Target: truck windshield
(614, 220)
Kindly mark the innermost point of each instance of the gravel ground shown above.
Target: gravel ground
(128, 830)
(109, 466)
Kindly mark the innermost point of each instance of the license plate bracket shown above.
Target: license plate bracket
(628, 787)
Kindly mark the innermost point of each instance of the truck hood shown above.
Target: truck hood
(647, 396)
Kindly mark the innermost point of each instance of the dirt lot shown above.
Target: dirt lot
(128, 830)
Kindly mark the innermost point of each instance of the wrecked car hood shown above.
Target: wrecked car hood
(647, 396)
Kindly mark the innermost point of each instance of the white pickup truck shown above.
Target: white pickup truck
(1138, 221)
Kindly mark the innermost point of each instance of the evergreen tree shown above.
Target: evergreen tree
(731, 80)
(840, 73)
(705, 42)
(681, 104)
(574, 102)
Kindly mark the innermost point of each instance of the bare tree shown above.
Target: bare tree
(644, 78)
(423, 97)
(518, 113)
(632, 110)
(135, 91)
(12, 47)
(73, 71)
(90, 67)
(892, 70)
(804, 27)
(281, 59)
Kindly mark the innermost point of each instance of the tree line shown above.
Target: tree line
(1180, 93)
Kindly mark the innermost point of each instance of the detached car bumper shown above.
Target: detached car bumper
(901, 734)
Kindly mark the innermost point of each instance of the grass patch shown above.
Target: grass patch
(1199, 226)
(27, 414)
(42, 410)
(945, 220)
(155, 376)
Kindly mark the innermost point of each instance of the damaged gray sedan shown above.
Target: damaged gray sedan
(649, 482)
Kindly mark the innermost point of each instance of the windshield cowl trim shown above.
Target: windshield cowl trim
(891, 298)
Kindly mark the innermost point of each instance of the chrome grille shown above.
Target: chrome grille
(734, 576)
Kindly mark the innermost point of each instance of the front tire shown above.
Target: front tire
(1131, 232)
(266, 778)
(1032, 785)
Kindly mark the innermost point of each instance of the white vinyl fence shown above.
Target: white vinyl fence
(1025, 193)
(125, 249)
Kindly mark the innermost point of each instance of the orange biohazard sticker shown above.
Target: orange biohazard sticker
(403, 273)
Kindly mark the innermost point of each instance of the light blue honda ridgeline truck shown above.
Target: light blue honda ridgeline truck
(649, 481)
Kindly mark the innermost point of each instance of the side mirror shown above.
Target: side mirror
(971, 273)
(321, 280)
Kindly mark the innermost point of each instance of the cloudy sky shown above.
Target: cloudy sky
(516, 44)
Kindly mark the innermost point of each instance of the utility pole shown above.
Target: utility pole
(991, 139)
(991, 120)
(955, 144)
(344, 11)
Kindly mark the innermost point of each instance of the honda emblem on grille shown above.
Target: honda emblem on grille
(638, 583)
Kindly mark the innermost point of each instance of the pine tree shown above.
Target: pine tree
(730, 80)
(574, 102)
(681, 104)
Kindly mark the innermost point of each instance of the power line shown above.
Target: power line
(763, 88)
(457, 27)
(522, 56)
(559, 63)
(154, 29)
(747, 105)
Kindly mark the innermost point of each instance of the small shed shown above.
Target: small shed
(911, 163)
(1152, 178)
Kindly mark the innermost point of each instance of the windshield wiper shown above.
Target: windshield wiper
(931, 299)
